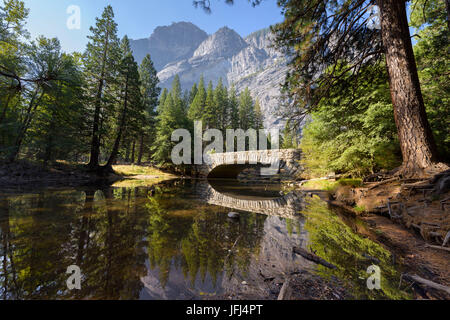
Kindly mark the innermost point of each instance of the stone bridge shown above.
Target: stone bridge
(287, 206)
(229, 165)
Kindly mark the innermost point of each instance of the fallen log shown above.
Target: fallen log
(437, 247)
(382, 183)
(428, 283)
(312, 257)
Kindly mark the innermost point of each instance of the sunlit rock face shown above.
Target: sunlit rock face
(185, 50)
(169, 43)
(224, 43)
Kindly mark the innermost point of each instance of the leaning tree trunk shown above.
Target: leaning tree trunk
(416, 140)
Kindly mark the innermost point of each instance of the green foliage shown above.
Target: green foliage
(210, 116)
(103, 51)
(289, 137)
(198, 104)
(259, 117)
(233, 109)
(221, 105)
(171, 116)
(150, 93)
(353, 130)
(56, 106)
(432, 52)
(130, 109)
(246, 110)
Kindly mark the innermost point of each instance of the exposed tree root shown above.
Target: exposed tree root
(405, 171)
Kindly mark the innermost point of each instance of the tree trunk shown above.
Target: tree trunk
(34, 103)
(132, 151)
(416, 140)
(141, 149)
(5, 108)
(95, 144)
(127, 152)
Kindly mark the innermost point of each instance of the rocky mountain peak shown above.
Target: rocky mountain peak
(169, 43)
(185, 50)
(224, 43)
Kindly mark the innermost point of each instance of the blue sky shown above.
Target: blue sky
(138, 18)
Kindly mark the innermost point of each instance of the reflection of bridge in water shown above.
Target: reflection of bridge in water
(287, 206)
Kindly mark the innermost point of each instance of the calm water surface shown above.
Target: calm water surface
(174, 241)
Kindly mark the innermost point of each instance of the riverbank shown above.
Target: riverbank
(25, 174)
(411, 218)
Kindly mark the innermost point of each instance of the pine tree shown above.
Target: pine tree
(162, 99)
(58, 132)
(193, 93)
(259, 117)
(210, 115)
(233, 109)
(150, 92)
(131, 107)
(101, 57)
(197, 106)
(221, 105)
(171, 116)
(289, 137)
(246, 110)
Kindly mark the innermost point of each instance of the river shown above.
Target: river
(174, 240)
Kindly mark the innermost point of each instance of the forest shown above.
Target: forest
(85, 107)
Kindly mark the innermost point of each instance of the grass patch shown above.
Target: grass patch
(134, 170)
(331, 186)
(354, 183)
(360, 209)
(132, 183)
(319, 185)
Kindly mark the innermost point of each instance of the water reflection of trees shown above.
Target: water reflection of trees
(42, 234)
(198, 238)
(334, 240)
(110, 234)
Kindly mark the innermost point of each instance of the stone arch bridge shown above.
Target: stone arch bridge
(228, 165)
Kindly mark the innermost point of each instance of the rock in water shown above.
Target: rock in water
(233, 215)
